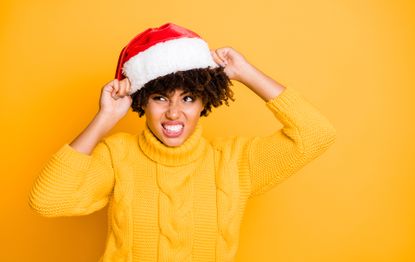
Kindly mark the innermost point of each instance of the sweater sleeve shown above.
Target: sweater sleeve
(72, 183)
(305, 135)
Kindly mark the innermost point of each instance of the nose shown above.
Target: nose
(173, 111)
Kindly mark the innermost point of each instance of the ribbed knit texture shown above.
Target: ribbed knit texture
(184, 203)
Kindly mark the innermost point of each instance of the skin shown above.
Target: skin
(115, 102)
(178, 106)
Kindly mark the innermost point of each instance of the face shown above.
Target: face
(173, 119)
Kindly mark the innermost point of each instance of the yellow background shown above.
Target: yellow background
(353, 59)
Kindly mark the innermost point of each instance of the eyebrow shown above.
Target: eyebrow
(185, 92)
(164, 94)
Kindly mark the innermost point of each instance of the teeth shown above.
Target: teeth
(174, 128)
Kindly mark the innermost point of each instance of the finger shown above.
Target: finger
(124, 87)
(121, 92)
(128, 86)
(216, 58)
(221, 54)
(116, 88)
(216, 55)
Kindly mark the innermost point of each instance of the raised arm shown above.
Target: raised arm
(76, 180)
(79, 177)
(306, 133)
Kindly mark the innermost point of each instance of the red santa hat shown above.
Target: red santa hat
(160, 51)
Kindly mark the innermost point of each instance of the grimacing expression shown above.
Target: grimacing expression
(173, 118)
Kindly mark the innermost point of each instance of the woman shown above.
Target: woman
(172, 194)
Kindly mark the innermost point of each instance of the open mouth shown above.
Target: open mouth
(173, 130)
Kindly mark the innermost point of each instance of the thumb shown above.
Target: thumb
(128, 88)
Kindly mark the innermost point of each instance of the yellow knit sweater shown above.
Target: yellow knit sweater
(184, 203)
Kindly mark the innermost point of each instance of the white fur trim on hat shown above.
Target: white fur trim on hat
(167, 57)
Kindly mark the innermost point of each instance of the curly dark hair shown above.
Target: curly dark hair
(212, 85)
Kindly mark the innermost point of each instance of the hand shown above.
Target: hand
(231, 60)
(115, 99)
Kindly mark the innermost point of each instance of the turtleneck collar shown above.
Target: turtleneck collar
(189, 151)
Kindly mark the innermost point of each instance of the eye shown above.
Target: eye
(191, 98)
(158, 97)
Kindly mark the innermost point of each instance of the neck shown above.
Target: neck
(192, 149)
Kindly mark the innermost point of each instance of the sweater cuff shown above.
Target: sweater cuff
(70, 155)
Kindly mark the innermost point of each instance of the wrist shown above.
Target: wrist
(104, 121)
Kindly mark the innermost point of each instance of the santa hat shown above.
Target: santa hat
(160, 51)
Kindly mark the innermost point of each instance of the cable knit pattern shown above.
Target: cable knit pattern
(174, 180)
(181, 203)
(230, 201)
(175, 209)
